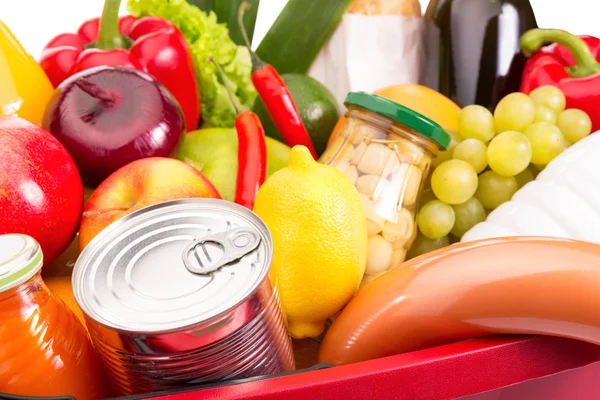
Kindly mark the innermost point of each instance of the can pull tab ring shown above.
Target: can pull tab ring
(232, 245)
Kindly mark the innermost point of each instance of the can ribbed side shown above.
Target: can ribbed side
(261, 347)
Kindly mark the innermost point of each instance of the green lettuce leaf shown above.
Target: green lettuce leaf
(206, 37)
(227, 12)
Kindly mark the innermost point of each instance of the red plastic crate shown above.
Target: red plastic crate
(497, 368)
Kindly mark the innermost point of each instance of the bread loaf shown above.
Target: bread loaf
(406, 8)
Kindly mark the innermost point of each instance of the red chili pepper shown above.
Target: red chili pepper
(252, 151)
(149, 44)
(571, 64)
(277, 98)
(252, 158)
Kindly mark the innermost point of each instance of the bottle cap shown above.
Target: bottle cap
(401, 114)
(20, 259)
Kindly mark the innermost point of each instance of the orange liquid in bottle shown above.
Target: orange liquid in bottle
(44, 349)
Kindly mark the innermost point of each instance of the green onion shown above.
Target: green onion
(299, 33)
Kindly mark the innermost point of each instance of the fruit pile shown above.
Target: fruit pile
(90, 135)
(111, 122)
(99, 128)
(490, 158)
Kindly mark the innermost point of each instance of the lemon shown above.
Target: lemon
(319, 233)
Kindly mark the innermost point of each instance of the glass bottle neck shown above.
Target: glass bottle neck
(31, 293)
(431, 9)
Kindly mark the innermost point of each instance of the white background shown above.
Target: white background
(34, 22)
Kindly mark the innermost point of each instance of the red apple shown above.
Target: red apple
(41, 193)
(140, 184)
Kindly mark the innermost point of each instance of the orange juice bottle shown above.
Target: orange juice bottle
(26, 90)
(44, 349)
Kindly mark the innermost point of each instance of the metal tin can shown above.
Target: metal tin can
(178, 294)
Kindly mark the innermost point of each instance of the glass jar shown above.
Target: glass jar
(386, 150)
(44, 349)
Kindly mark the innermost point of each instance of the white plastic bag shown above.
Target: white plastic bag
(370, 52)
(563, 201)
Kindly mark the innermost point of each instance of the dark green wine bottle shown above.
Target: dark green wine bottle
(472, 48)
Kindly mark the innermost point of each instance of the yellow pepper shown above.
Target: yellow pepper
(25, 89)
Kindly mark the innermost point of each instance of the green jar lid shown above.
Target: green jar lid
(401, 114)
(20, 259)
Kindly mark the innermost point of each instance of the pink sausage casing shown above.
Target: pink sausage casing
(518, 285)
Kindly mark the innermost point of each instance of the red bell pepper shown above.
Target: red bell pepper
(149, 44)
(570, 63)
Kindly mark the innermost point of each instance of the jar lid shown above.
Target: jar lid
(172, 265)
(20, 259)
(401, 114)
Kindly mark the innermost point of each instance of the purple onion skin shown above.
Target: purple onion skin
(107, 117)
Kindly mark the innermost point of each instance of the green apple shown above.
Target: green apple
(214, 151)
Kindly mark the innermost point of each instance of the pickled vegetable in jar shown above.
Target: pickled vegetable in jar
(386, 150)
(44, 349)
